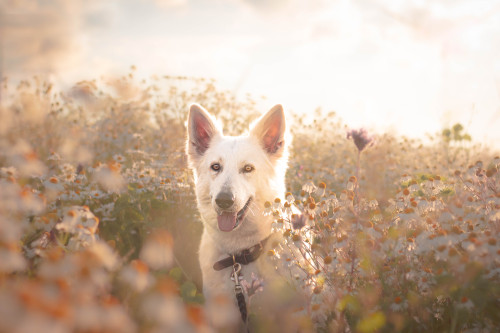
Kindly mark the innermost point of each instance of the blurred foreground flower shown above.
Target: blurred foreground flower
(157, 252)
(11, 260)
(167, 312)
(222, 313)
(109, 177)
(137, 276)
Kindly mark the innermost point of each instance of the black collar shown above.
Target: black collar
(244, 257)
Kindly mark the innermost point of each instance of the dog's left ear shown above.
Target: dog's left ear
(270, 130)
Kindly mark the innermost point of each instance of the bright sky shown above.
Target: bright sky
(411, 66)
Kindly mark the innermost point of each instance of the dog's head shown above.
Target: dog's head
(236, 175)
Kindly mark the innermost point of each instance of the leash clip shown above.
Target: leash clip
(236, 274)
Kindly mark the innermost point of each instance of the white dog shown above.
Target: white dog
(234, 177)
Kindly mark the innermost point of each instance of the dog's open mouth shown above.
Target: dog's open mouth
(229, 220)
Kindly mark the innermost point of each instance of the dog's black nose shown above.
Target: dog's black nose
(224, 200)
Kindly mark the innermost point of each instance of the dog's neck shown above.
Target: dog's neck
(243, 257)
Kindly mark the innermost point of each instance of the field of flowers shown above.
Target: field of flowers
(99, 228)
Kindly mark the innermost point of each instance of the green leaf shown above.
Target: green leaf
(176, 274)
(371, 323)
(188, 291)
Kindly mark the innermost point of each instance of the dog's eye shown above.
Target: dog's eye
(215, 167)
(248, 168)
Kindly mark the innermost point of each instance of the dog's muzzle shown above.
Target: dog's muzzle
(229, 220)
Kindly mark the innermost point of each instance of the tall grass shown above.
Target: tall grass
(99, 228)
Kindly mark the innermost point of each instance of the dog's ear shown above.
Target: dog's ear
(201, 130)
(270, 130)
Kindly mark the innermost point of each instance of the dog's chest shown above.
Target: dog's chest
(246, 275)
(216, 282)
(224, 281)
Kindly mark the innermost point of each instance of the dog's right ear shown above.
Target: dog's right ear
(201, 130)
(270, 129)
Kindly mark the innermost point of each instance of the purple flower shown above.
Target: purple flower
(298, 221)
(254, 286)
(360, 138)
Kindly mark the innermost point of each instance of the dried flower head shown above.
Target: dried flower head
(360, 138)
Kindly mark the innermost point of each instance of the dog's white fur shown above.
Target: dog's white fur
(264, 149)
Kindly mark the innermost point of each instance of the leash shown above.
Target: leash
(238, 291)
(236, 260)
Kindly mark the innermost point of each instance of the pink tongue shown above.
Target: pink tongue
(226, 221)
